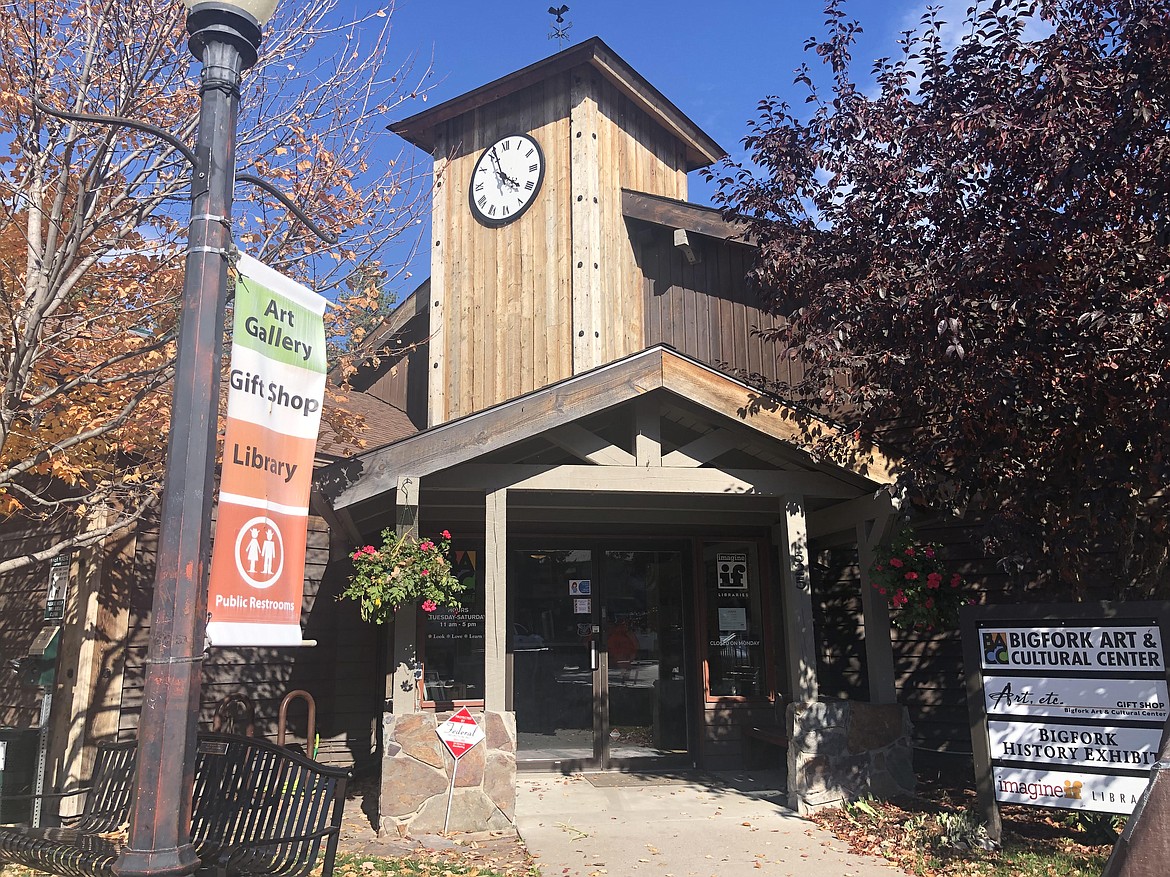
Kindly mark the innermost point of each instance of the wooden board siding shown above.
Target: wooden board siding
(504, 301)
(400, 378)
(557, 291)
(707, 310)
(633, 152)
(22, 608)
(341, 672)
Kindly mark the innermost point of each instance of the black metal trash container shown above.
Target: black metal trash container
(18, 767)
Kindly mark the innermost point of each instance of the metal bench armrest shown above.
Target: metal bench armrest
(46, 795)
(223, 862)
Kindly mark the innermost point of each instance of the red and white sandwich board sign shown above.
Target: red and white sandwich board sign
(460, 733)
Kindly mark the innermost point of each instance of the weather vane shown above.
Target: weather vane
(560, 28)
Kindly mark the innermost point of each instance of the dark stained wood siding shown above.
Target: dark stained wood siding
(928, 668)
(22, 608)
(706, 310)
(400, 377)
(341, 672)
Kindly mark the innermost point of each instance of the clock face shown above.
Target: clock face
(506, 179)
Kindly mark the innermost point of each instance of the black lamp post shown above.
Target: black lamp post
(225, 36)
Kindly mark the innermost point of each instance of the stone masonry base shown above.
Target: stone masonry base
(416, 776)
(846, 750)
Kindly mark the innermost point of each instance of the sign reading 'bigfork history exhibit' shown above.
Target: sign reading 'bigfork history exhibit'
(1072, 708)
(276, 386)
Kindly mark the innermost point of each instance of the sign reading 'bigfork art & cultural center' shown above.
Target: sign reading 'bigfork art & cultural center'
(276, 386)
(1069, 703)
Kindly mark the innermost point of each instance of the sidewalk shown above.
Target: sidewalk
(727, 824)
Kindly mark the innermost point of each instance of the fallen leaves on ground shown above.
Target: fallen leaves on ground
(937, 835)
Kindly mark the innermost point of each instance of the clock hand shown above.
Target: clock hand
(504, 178)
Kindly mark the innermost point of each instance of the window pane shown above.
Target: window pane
(735, 623)
(453, 640)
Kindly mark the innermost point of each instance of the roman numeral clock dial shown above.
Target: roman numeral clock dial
(506, 180)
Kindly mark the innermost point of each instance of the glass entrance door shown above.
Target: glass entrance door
(598, 657)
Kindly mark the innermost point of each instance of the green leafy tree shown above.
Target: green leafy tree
(976, 241)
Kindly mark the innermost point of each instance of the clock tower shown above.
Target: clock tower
(533, 273)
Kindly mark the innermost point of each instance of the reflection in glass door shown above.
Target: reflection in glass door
(554, 654)
(598, 664)
(644, 686)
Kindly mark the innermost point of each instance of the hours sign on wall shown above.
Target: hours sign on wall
(460, 733)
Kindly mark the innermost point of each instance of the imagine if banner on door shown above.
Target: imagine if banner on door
(276, 386)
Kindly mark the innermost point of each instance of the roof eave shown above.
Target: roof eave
(701, 149)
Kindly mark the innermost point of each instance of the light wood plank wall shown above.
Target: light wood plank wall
(506, 303)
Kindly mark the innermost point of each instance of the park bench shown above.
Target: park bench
(258, 808)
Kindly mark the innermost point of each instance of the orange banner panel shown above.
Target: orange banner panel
(267, 465)
(258, 566)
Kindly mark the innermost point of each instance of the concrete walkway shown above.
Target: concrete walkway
(692, 825)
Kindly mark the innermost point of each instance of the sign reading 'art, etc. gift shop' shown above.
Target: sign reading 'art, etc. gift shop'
(1068, 702)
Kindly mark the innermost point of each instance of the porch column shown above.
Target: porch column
(796, 590)
(879, 649)
(495, 604)
(401, 683)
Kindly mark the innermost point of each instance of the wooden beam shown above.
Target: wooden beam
(674, 214)
(879, 648)
(847, 515)
(648, 434)
(490, 430)
(589, 446)
(624, 479)
(437, 377)
(585, 222)
(702, 450)
(402, 683)
(338, 521)
(715, 391)
(495, 620)
(800, 640)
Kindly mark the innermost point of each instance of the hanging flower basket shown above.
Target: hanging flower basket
(404, 571)
(911, 575)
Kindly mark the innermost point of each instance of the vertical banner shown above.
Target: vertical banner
(276, 386)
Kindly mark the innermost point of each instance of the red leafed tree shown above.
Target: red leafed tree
(93, 224)
(978, 240)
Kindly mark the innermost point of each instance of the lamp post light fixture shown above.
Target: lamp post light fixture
(225, 36)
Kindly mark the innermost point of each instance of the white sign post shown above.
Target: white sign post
(459, 734)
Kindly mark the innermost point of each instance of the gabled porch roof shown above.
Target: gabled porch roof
(762, 443)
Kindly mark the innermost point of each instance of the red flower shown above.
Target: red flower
(909, 551)
(955, 579)
(896, 562)
(429, 606)
(933, 580)
(425, 572)
(929, 603)
(929, 552)
(911, 576)
(882, 591)
(446, 534)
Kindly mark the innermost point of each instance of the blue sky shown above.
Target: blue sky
(714, 61)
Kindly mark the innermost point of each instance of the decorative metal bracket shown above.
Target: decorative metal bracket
(191, 158)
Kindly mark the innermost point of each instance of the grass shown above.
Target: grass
(350, 865)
